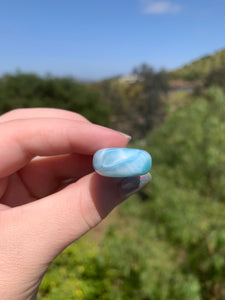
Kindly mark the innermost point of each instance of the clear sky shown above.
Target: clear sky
(92, 39)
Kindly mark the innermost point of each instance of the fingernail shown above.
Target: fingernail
(126, 135)
(131, 185)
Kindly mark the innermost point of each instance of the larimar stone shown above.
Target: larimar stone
(122, 162)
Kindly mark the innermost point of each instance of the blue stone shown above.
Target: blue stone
(122, 162)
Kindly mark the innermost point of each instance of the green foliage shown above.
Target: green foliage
(196, 144)
(137, 106)
(149, 110)
(200, 68)
(29, 90)
(127, 266)
(216, 78)
(177, 99)
(187, 202)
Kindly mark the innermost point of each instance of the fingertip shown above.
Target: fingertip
(127, 136)
(113, 138)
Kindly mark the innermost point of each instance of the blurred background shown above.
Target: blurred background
(154, 69)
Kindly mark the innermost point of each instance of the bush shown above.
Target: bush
(29, 90)
(216, 78)
(193, 148)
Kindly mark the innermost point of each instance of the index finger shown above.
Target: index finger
(41, 112)
(21, 140)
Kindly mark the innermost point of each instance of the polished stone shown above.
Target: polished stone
(122, 162)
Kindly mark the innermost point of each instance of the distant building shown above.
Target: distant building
(131, 78)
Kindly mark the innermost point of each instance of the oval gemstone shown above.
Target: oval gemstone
(122, 162)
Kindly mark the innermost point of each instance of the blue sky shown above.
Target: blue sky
(93, 39)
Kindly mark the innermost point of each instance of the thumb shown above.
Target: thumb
(49, 225)
(52, 223)
(32, 235)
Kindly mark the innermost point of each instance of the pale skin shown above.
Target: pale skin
(40, 214)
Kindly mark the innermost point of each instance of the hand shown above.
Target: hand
(40, 212)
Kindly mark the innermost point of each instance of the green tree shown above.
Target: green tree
(194, 144)
(136, 106)
(200, 68)
(149, 110)
(216, 78)
(30, 90)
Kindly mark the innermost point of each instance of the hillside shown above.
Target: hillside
(200, 68)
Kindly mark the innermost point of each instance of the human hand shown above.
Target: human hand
(41, 214)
